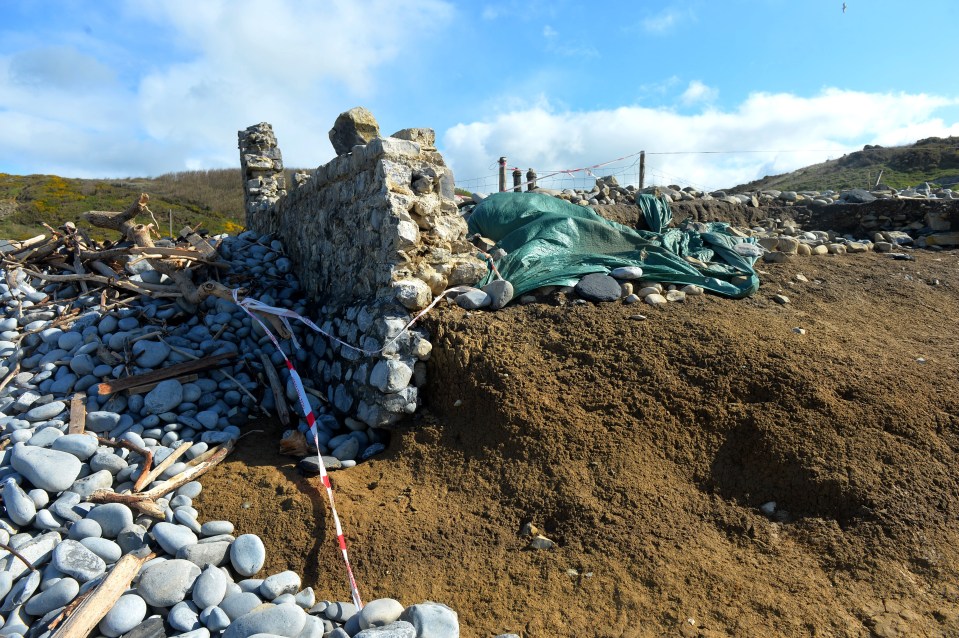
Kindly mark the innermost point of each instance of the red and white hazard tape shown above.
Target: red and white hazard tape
(249, 305)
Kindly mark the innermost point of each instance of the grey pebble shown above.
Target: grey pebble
(215, 528)
(203, 553)
(167, 583)
(171, 537)
(184, 616)
(432, 620)
(20, 508)
(85, 528)
(215, 619)
(21, 591)
(102, 421)
(281, 620)
(45, 412)
(107, 461)
(210, 588)
(287, 582)
(57, 595)
(86, 486)
(50, 470)
(398, 629)
(74, 559)
(166, 396)
(247, 554)
(126, 614)
(598, 287)
(340, 612)
(150, 354)
(112, 517)
(380, 612)
(106, 549)
(239, 604)
(192, 489)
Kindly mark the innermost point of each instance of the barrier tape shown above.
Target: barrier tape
(250, 305)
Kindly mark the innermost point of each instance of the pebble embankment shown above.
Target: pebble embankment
(61, 540)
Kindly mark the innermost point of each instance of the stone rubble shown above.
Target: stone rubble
(204, 582)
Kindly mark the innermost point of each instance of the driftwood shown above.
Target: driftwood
(176, 370)
(148, 477)
(78, 414)
(87, 614)
(279, 396)
(146, 501)
(139, 234)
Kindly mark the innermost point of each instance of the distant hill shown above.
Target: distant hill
(212, 199)
(934, 160)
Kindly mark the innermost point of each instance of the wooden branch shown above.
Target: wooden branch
(143, 288)
(148, 477)
(95, 606)
(18, 555)
(78, 414)
(133, 447)
(279, 396)
(146, 501)
(11, 245)
(109, 387)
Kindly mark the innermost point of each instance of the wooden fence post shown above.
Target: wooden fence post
(502, 174)
(642, 169)
(517, 180)
(531, 179)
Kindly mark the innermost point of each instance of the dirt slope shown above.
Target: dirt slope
(644, 449)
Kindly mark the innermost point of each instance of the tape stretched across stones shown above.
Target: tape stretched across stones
(249, 305)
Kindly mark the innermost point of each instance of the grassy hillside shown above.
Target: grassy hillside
(211, 199)
(934, 160)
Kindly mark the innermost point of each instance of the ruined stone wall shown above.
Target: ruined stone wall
(373, 235)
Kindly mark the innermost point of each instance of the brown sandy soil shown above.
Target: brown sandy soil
(644, 449)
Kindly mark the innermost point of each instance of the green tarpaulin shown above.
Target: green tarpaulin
(551, 242)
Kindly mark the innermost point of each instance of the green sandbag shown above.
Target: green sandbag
(551, 242)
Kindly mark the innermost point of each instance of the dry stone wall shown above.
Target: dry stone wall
(374, 235)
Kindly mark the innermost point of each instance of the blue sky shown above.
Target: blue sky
(114, 89)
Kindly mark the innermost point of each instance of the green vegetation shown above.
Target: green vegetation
(210, 199)
(934, 160)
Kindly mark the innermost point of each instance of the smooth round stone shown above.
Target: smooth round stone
(190, 490)
(150, 354)
(166, 396)
(340, 612)
(184, 617)
(215, 528)
(109, 462)
(82, 364)
(167, 583)
(86, 486)
(69, 340)
(128, 323)
(280, 620)
(500, 293)
(473, 299)
(210, 588)
(432, 620)
(380, 612)
(46, 520)
(57, 595)
(126, 614)
(20, 508)
(112, 517)
(50, 470)
(272, 587)
(627, 272)
(106, 549)
(184, 518)
(85, 528)
(239, 604)
(306, 598)
(215, 619)
(102, 421)
(22, 590)
(45, 412)
(74, 559)
(208, 419)
(247, 554)
(171, 537)
(598, 287)
(45, 437)
(132, 538)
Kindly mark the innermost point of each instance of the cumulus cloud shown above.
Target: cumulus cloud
(768, 133)
(233, 64)
(666, 20)
(698, 92)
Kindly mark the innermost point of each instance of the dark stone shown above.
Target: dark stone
(310, 464)
(149, 628)
(598, 287)
(858, 196)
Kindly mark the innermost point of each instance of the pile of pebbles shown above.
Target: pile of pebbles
(202, 581)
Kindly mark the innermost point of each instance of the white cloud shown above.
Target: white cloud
(549, 32)
(698, 92)
(791, 131)
(296, 65)
(666, 20)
